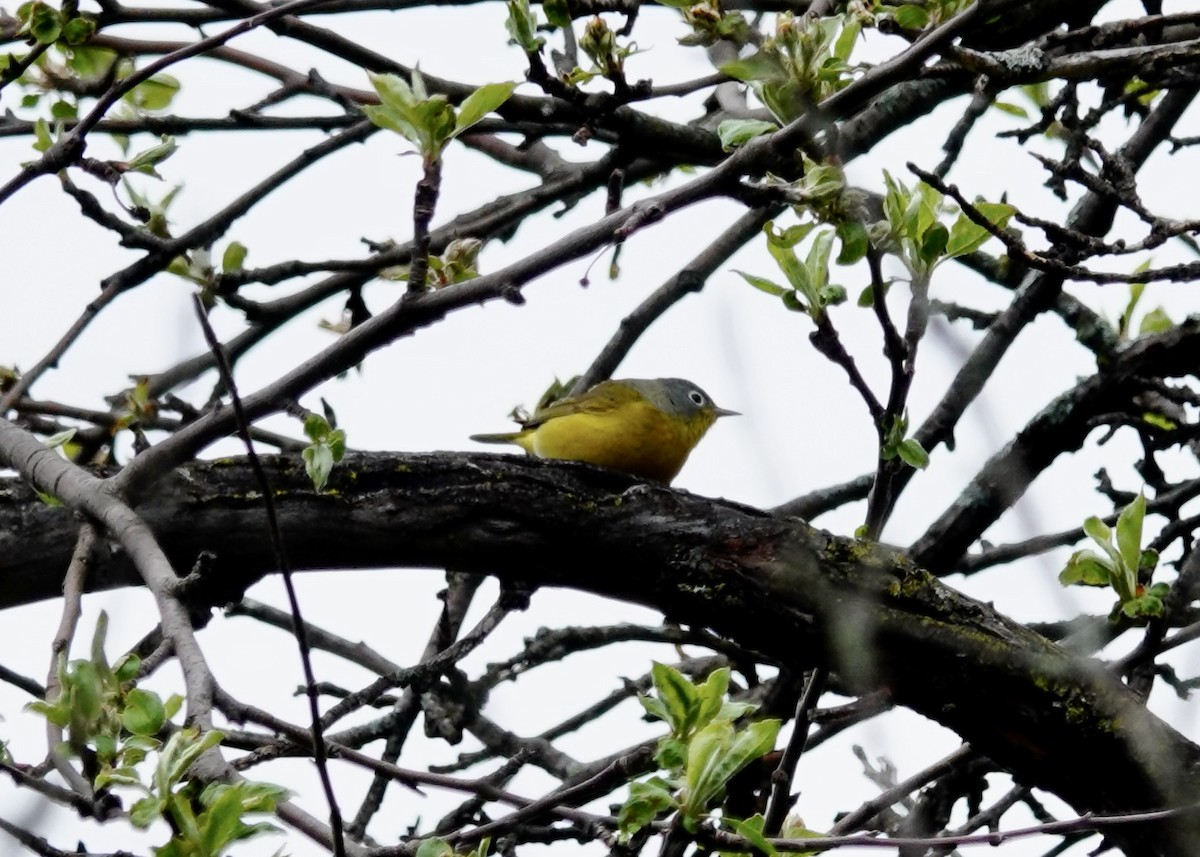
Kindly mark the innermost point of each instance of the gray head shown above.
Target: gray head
(678, 396)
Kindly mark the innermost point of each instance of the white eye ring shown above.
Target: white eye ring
(697, 398)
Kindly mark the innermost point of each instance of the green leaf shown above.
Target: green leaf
(87, 692)
(712, 696)
(126, 668)
(678, 695)
(157, 93)
(855, 241)
(912, 453)
(671, 754)
(480, 103)
(716, 753)
(966, 236)
(145, 812)
(45, 23)
(655, 708)
(41, 135)
(145, 162)
(738, 132)
(180, 753)
(78, 30)
(1155, 321)
(318, 464)
(911, 17)
(844, 46)
(337, 444)
(390, 121)
(816, 263)
(558, 12)
(234, 257)
(731, 711)
(141, 743)
(790, 265)
(91, 62)
(434, 847)
(59, 438)
(1011, 109)
(221, 823)
(752, 831)
(763, 65)
(394, 92)
(521, 24)
(420, 93)
(933, 243)
(144, 712)
(57, 714)
(789, 237)
(1159, 421)
(117, 776)
(645, 802)
(1097, 530)
(763, 284)
(705, 767)
(63, 111)
(791, 301)
(832, 295)
(1086, 568)
(1129, 534)
(316, 427)
(1142, 605)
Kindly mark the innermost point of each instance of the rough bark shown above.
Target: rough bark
(774, 584)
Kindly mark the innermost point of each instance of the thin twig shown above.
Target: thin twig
(73, 586)
(281, 561)
(781, 779)
(856, 819)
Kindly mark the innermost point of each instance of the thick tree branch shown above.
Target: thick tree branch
(775, 585)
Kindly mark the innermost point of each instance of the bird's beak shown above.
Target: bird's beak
(725, 412)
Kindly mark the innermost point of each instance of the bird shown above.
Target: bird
(643, 427)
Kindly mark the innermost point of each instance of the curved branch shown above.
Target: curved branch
(771, 584)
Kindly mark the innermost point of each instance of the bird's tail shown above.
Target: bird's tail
(503, 437)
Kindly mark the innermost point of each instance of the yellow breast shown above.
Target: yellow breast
(634, 437)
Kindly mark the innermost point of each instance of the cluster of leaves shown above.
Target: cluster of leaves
(600, 44)
(896, 444)
(918, 16)
(75, 69)
(912, 229)
(106, 717)
(710, 23)
(207, 820)
(1123, 565)
(523, 25)
(435, 846)
(700, 754)
(808, 289)
(427, 121)
(458, 263)
(806, 61)
(327, 448)
(45, 25)
(114, 726)
(197, 267)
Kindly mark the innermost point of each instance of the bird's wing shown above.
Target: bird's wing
(598, 400)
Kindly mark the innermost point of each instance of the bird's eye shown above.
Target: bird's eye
(697, 397)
